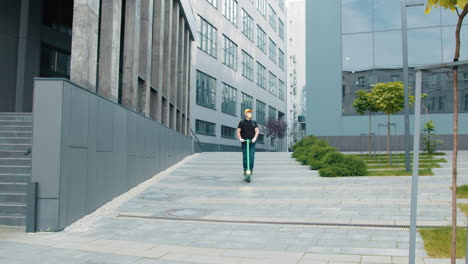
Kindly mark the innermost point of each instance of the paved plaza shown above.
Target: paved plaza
(200, 211)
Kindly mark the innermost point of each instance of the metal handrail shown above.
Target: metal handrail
(195, 136)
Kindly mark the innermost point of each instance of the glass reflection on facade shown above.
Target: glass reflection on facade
(372, 51)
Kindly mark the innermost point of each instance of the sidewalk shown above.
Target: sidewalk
(202, 212)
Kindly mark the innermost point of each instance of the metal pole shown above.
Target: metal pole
(414, 184)
(466, 254)
(404, 38)
(404, 41)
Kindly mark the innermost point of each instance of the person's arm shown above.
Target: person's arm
(239, 135)
(257, 132)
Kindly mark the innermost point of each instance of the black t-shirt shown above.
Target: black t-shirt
(247, 128)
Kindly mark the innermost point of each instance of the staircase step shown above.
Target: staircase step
(15, 140)
(15, 161)
(13, 208)
(19, 178)
(11, 197)
(13, 187)
(19, 147)
(14, 169)
(13, 220)
(16, 117)
(13, 133)
(15, 122)
(15, 128)
(13, 154)
(15, 113)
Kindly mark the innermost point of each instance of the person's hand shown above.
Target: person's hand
(242, 140)
(254, 140)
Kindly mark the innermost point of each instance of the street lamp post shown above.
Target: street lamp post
(404, 38)
(417, 111)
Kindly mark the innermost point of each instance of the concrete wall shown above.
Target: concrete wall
(88, 150)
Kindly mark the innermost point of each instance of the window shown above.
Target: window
(246, 103)
(261, 7)
(273, 48)
(261, 139)
(271, 113)
(213, 3)
(230, 10)
(247, 65)
(465, 77)
(57, 15)
(282, 90)
(361, 80)
(273, 18)
(395, 77)
(228, 132)
(228, 106)
(273, 85)
(207, 34)
(205, 128)
(261, 75)
(230, 53)
(54, 63)
(281, 4)
(466, 102)
(281, 59)
(442, 103)
(206, 90)
(247, 25)
(261, 39)
(281, 29)
(261, 112)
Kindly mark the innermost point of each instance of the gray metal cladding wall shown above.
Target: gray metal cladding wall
(88, 150)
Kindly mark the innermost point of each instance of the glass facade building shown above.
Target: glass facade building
(358, 43)
(372, 50)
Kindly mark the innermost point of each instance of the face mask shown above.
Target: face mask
(248, 115)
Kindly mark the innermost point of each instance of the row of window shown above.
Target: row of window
(230, 8)
(206, 96)
(208, 43)
(208, 128)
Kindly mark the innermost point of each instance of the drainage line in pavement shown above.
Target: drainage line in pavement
(274, 222)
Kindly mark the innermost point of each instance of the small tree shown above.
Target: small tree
(429, 141)
(390, 99)
(276, 128)
(362, 104)
(461, 9)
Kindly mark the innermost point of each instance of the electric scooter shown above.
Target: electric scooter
(248, 172)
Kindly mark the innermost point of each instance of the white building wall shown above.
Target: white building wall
(215, 67)
(296, 67)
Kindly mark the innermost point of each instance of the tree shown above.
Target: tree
(389, 98)
(460, 7)
(362, 104)
(276, 128)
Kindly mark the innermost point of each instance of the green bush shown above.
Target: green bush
(345, 166)
(334, 171)
(332, 158)
(319, 155)
(355, 165)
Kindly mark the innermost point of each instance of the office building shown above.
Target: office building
(102, 90)
(240, 62)
(357, 43)
(296, 70)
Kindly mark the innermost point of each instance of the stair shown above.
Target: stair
(15, 167)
